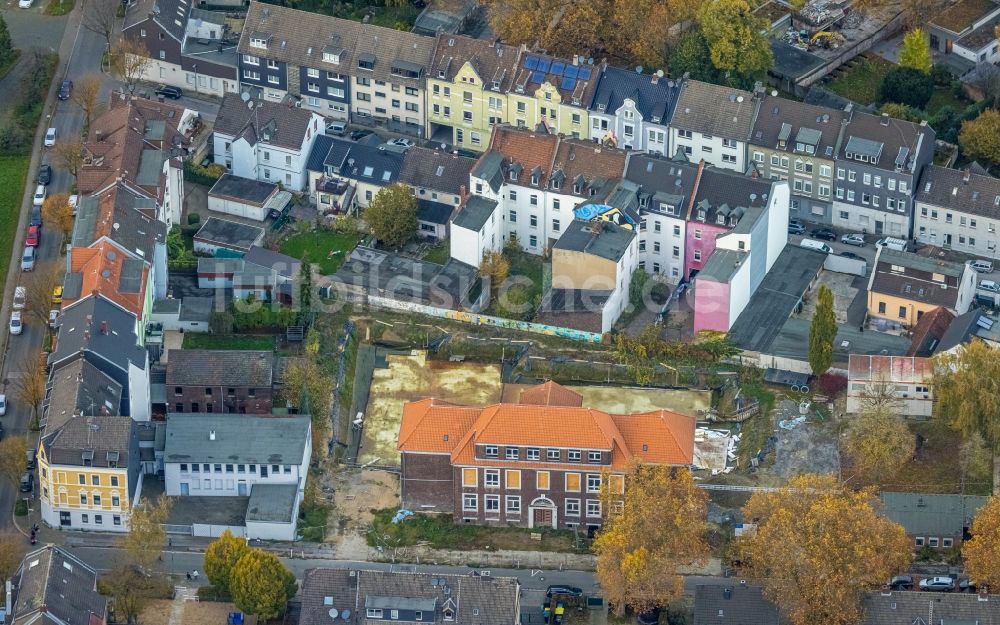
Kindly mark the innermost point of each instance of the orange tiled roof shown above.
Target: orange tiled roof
(550, 394)
(100, 268)
(528, 149)
(431, 426)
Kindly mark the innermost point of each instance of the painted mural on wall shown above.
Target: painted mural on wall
(478, 319)
(603, 212)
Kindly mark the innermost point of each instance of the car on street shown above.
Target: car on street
(65, 89)
(3, 404)
(24, 4)
(981, 266)
(566, 591)
(989, 285)
(15, 326)
(57, 294)
(336, 128)
(795, 227)
(45, 174)
(938, 583)
(824, 234)
(401, 143)
(73, 201)
(27, 482)
(357, 135)
(53, 317)
(853, 239)
(36, 216)
(50, 137)
(39, 197)
(850, 255)
(28, 259)
(174, 93)
(34, 236)
(901, 582)
(20, 297)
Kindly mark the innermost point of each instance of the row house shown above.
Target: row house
(89, 471)
(713, 123)
(633, 111)
(337, 67)
(104, 268)
(220, 381)
(958, 209)
(467, 89)
(139, 144)
(53, 586)
(798, 142)
(904, 286)
(480, 465)
(265, 141)
(188, 48)
(439, 180)
(346, 175)
(553, 94)
(878, 166)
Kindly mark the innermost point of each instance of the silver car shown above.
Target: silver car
(853, 239)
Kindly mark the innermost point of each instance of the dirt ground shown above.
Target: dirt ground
(354, 493)
(193, 613)
(618, 400)
(410, 378)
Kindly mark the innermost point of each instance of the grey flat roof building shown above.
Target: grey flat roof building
(211, 437)
(272, 503)
(244, 189)
(476, 212)
(932, 515)
(231, 234)
(610, 241)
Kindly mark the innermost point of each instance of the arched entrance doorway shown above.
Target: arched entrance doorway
(542, 513)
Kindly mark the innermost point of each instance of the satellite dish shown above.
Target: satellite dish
(638, 69)
(659, 73)
(334, 613)
(116, 225)
(346, 614)
(774, 93)
(739, 98)
(245, 96)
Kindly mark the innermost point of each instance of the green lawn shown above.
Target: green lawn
(945, 96)
(13, 173)
(59, 7)
(439, 253)
(197, 340)
(522, 265)
(324, 248)
(862, 81)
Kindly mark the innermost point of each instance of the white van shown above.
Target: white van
(893, 244)
(819, 246)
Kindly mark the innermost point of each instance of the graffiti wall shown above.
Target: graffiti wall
(487, 320)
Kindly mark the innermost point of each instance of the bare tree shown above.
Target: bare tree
(68, 155)
(38, 296)
(129, 60)
(30, 387)
(100, 16)
(13, 460)
(87, 95)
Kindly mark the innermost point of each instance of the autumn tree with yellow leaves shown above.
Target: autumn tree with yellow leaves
(657, 525)
(818, 548)
(982, 552)
(976, 366)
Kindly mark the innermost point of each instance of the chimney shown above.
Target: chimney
(885, 119)
(99, 135)
(211, 435)
(966, 175)
(984, 595)
(104, 328)
(462, 192)
(655, 78)
(727, 593)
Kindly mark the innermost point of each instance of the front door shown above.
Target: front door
(947, 240)
(543, 517)
(184, 489)
(879, 227)
(65, 519)
(243, 488)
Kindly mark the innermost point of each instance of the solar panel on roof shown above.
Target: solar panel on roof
(567, 83)
(531, 62)
(557, 69)
(585, 73)
(537, 77)
(543, 65)
(571, 71)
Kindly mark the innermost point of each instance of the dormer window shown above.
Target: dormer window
(331, 57)
(577, 187)
(258, 41)
(555, 183)
(496, 85)
(701, 215)
(513, 175)
(366, 61)
(449, 614)
(492, 451)
(720, 219)
(511, 453)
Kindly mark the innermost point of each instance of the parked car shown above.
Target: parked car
(24, 4)
(73, 201)
(568, 591)
(28, 259)
(893, 244)
(824, 234)
(357, 135)
(45, 174)
(982, 266)
(795, 227)
(50, 137)
(174, 93)
(39, 197)
(853, 239)
(850, 255)
(20, 297)
(813, 244)
(30, 458)
(336, 129)
(967, 585)
(901, 582)
(3, 404)
(34, 236)
(57, 294)
(53, 317)
(15, 326)
(938, 583)
(36, 216)
(65, 89)
(400, 143)
(989, 285)
(27, 482)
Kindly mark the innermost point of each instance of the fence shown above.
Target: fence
(479, 319)
(890, 29)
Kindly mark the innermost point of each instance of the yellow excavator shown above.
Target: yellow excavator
(827, 39)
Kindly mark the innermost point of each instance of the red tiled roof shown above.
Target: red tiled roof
(550, 394)
(930, 328)
(100, 268)
(528, 149)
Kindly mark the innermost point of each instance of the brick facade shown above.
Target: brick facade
(235, 399)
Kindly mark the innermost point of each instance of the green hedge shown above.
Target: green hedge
(207, 176)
